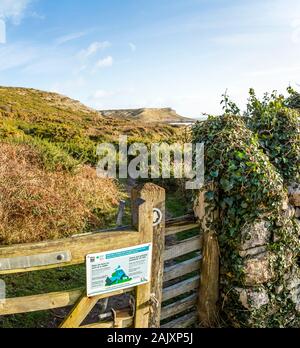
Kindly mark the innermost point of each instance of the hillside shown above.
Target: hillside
(27, 115)
(48, 188)
(147, 115)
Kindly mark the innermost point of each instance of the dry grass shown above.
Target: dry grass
(38, 205)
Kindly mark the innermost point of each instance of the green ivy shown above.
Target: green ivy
(248, 185)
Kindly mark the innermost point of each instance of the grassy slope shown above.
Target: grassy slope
(64, 134)
(68, 123)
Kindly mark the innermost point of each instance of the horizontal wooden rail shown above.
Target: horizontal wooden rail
(181, 224)
(48, 301)
(181, 288)
(179, 307)
(108, 325)
(104, 325)
(183, 247)
(185, 218)
(183, 322)
(180, 227)
(77, 246)
(183, 268)
(122, 319)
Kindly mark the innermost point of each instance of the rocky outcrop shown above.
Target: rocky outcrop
(147, 115)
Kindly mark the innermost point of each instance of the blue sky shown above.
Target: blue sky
(151, 53)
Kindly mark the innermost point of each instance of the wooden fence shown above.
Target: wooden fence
(169, 300)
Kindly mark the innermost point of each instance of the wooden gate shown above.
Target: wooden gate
(169, 301)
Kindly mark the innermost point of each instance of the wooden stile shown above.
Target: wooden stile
(209, 283)
(142, 219)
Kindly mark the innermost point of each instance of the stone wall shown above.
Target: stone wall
(269, 293)
(264, 289)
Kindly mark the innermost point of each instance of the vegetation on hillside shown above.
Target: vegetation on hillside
(48, 141)
(36, 204)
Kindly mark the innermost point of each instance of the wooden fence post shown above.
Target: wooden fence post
(154, 198)
(209, 280)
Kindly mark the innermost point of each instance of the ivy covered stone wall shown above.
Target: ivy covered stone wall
(258, 227)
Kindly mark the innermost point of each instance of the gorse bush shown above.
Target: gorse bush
(37, 205)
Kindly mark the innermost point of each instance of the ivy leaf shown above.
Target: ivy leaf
(214, 174)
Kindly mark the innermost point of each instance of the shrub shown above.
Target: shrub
(37, 205)
(278, 132)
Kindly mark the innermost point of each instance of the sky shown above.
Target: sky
(184, 54)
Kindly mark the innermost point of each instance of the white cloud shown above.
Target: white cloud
(13, 9)
(104, 63)
(132, 47)
(70, 37)
(17, 55)
(93, 49)
(100, 94)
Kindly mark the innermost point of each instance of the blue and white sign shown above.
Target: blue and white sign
(118, 269)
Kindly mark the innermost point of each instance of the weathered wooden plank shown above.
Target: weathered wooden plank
(157, 197)
(105, 325)
(122, 319)
(180, 288)
(42, 302)
(183, 247)
(209, 282)
(180, 227)
(108, 325)
(78, 246)
(181, 323)
(48, 301)
(185, 218)
(142, 219)
(81, 309)
(180, 269)
(179, 306)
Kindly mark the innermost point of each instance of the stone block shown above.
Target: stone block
(258, 270)
(255, 235)
(253, 298)
(294, 194)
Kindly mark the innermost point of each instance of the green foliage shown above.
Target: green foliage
(51, 131)
(278, 132)
(245, 186)
(228, 106)
(54, 157)
(247, 182)
(293, 101)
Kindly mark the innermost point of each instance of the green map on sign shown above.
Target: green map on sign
(118, 277)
